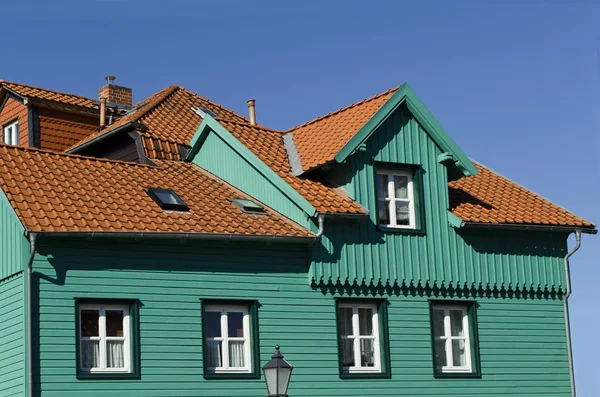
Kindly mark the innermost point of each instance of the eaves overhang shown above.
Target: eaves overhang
(125, 127)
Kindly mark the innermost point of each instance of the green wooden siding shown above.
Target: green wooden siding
(522, 341)
(218, 158)
(14, 247)
(357, 251)
(12, 337)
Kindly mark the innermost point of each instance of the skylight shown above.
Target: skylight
(167, 199)
(204, 111)
(249, 206)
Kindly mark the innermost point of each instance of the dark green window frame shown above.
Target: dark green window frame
(418, 197)
(471, 307)
(384, 344)
(134, 342)
(254, 340)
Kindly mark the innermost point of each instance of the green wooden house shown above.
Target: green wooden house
(365, 243)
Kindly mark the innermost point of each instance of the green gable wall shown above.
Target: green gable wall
(220, 159)
(522, 340)
(14, 247)
(358, 252)
(12, 336)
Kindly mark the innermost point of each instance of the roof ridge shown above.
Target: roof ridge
(369, 99)
(74, 156)
(212, 102)
(258, 127)
(5, 82)
(161, 96)
(531, 191)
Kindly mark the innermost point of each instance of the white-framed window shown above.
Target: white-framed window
(395, 198)
(227, 339)
(451, 338)
(104, 338)
(10, 133)
(358, 332)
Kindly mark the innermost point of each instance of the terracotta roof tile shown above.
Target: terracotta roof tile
(105, 195)
(169, 115)
(491, 198)
(49, 95)
(268, 146)
(319, 140)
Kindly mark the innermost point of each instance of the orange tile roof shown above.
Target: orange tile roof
(49, 95)
(169, 115)
(268, 146)
(59, 192)
(319, 140)
(491, 198)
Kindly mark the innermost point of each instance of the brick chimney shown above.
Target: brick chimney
(115, 94)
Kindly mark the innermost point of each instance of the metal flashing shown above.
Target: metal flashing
(292, 153)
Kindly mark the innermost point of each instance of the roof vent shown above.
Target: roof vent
(249, 206)
(167, 199)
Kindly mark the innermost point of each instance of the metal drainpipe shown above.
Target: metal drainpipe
(32, 240)
(566, 308)
(321, 219)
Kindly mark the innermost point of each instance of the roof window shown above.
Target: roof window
(167, 199)
(204, 111)
(249, 206)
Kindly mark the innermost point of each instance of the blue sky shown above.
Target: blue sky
(516, 85)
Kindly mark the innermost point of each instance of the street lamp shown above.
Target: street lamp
(277, 375)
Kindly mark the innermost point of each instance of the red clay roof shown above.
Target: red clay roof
(49, 95)
(268, 146)
(319, 140)
(59, 192)
(169, 115)
(491, 198)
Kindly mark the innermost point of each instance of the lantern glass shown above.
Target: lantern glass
(271, 379)
(283, 380)
(277, 375)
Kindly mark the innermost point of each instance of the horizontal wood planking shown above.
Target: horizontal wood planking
(357, 251)
(522, 341)
(12, 337)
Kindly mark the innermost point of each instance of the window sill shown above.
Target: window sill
(400, 230)
(107, 375)
(457, 375)
(364, 375)
(231, 375)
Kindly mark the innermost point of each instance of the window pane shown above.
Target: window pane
(365, 321)
(90, 354)
(383, 212)
(401, 186)
(236, 354)
(440, 353)
(459, 353)
(382, 186)
(367, 353)
(345, 321)
(235, 323)
(212, 355)
(114, 323)
(402, 213)
(212, 324)
(89, 322)
(347, 352)
(456, 323)
(438, 322)
(115, 354)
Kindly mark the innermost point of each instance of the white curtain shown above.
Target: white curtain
(236, 354)
(213, 354)
(90, 354)
(114, 354)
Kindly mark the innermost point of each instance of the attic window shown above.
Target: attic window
(249, 206)
(167, 199)
(204, 111)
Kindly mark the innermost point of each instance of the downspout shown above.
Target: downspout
(32, 240)
(566, 309)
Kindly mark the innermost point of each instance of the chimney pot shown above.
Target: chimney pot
(110, 79)
(252, 111)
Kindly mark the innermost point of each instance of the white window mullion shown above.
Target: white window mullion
(102, 333)
(392, 203)
(448, 335)
(355, 334)
(225, 343)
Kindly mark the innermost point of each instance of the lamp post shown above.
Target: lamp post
(277, 375)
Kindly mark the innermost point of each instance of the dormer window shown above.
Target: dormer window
(10, 133)
(396, 198)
